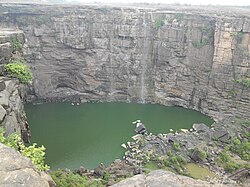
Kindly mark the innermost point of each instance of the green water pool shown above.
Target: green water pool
(92, 133)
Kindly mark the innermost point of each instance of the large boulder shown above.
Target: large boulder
(18, 171)
(160, 178)
(100, 170)
(221, 135)
(200, 127)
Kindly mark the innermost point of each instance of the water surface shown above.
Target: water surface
(92, 133)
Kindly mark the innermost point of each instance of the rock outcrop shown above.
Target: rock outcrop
(12, 115)
(17, 171)
(194, 57)
(160, 178)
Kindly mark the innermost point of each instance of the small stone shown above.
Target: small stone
(2, 113)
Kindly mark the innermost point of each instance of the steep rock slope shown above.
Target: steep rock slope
(12, 115)
(195, 58)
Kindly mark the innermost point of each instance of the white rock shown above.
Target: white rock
(124, 146)
(136, 121)
(137, 137)
(184, 130)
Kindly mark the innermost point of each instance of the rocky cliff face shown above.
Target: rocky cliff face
(195, 58)
(12, 115)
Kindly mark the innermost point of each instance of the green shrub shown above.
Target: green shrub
(16, 44)
(18, 70)
(241, 148)
(69, 179)
(176, 146)
(35, 154)
(106, 176)
(225, 161)
(202, 155)
(231, 166)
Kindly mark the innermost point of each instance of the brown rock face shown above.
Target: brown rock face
(190, 57)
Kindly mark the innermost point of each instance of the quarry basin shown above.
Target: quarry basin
(92, 133)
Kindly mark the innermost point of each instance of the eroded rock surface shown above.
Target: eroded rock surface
(17, 171)
(186, 56)
(12, 115)
(160, 178)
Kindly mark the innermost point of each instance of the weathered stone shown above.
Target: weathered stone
(81, 170)
(130, 59)
(160, 178)
(2, 113)
(140, 128)
(200, 127)
(2, 85)
(100, 170)
(196, 155)
(17, 171)
(12, 109)
(221, 135)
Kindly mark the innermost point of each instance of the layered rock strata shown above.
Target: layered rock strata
(187, 56)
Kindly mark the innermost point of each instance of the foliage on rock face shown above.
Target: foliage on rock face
(16, 44)
(176, 146)
(171, 161)
(19, 70)
(225, 161)
(158, 23)
(202, 155)
(200, 44)
(35, 154)
(64, 178)
(243, 81)
(242, 148)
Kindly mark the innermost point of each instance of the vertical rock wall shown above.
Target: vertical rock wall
(12, 115)
(191, 58)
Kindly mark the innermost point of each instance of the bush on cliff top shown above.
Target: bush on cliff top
(35, 154)
(19, 70)
(64, 178)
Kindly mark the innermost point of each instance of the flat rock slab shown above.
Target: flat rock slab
(161, 178)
